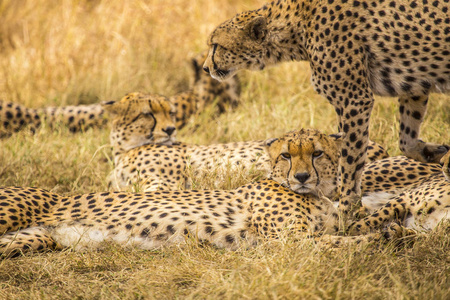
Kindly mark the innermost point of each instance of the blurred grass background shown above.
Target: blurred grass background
(67, 52)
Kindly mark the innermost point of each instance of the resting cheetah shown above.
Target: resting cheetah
(37, 219)
(140, 162)
(141, 119)
(420, 207)
(163, 166)
(15, 117)
(203, 92)
(355, 49)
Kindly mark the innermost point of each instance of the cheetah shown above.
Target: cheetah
(160, 166)
(15, 117)
(38, 219)
(355, 49)
(388, 177)
(204, 91)
(144, 119)
(143, 164)
(419, 208)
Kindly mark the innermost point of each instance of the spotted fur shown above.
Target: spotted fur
(355, 49)
(139, 119)
(38, 219)
(150, 166)
(418, 201)
(204, 91)
(15, 117)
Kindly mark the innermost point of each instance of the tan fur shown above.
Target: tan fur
(162, 164)
(355, 49)
(37, 219)
(204, 91)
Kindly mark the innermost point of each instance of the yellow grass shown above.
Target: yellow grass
(60, 52)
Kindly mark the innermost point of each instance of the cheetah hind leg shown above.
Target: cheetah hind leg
(15, 243)
(395, 233)
(335, 241)
(412, 112)
(427, 152)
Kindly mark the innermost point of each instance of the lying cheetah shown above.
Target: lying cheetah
(355, 49)
(141, 119)
(204, 91)
(15, 117)
(149, 164)
(418, 208)
(162, 166)
(37, 219)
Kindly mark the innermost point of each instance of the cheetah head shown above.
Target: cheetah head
(445, 162)
(139, 119)
(239, 43)
(306, 161)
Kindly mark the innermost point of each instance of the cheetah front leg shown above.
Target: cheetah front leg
(412, 112)
(33, 238)
(348, 91)
(354, 122)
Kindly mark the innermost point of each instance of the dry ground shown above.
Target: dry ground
(59, 52)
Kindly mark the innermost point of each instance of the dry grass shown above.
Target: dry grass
(56, 52)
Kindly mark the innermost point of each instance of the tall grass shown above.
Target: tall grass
(59, 52)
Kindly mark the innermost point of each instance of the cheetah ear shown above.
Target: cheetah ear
(337, 138)
(195, 64)
(197, 69)
(257, 28)
(269, 142)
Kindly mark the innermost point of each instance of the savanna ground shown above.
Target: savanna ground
(65, 52)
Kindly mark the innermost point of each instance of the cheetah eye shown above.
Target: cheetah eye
(285, 155)
(317, 153)
(147, 114)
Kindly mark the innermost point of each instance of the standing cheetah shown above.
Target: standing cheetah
(356, 49)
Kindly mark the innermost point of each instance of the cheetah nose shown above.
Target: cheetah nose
(169, 130)
(206, 69)
(302, 177)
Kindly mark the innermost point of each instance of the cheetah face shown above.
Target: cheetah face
(445, 162)
(306, 161)
(240, 43)
(140, 119)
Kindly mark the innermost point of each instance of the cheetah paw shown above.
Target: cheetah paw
(427, 152)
